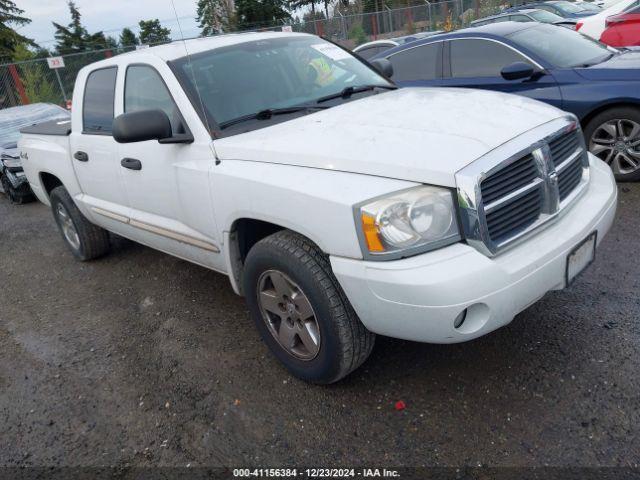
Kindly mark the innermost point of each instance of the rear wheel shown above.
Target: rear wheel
(614, 137)
(85, 240)
(301, 311)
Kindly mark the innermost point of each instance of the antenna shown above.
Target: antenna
(195, 81)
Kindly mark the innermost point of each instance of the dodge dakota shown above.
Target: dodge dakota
(339, 206)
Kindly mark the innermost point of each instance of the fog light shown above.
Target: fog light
(457, 323)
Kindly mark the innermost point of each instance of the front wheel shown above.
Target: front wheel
(614, 137)
(301, 311)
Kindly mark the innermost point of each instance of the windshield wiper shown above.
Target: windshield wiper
(268, 113)
(348, 91)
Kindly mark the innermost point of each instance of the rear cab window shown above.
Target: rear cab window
(98, 101)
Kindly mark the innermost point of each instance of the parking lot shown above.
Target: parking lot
(143, 359)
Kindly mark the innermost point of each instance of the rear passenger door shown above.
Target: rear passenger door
(94, 151)
(418, 66)
(477, 63)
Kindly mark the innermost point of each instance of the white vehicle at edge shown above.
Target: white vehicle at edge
(594, 25)
(339, 207)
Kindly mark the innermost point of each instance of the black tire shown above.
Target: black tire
(345, 343)
(93, 240)
(616, 113)
(17, 197)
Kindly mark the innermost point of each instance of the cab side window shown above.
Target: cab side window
(144, 89)
(419, 63)
(481, 58)
(97, 105)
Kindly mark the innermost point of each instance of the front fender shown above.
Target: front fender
(586, 98)
(313, 202)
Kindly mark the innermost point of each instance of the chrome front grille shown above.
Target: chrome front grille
(564, 146)
(570, 178)
(503, 201)
(514, 216)
(511, 178)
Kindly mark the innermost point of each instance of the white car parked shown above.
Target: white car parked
(594, 25)
(339, 206)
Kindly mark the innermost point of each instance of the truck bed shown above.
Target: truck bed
(44, 150)
(53, 127)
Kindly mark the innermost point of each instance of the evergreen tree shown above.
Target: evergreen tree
(296, 4)
(110, 42)
(215, 16)
(128, 38)
(260, 13)
(151, 32)
(72, 38)
(9, 38)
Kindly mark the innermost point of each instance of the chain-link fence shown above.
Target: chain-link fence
(353, 30)
(33, 81)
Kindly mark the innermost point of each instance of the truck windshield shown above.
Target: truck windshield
(239, 81)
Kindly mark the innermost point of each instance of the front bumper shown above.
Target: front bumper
(419, 298)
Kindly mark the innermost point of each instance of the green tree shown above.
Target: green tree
(128, 38)
(215, 16)
(297, 4)
(261, 13)
(151, 32)
(10, 39)
(357, 34)
(37, 79)
(73, 37)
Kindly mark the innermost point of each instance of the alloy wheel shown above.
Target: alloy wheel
(288, 315)
(617, 142)
(68, 228)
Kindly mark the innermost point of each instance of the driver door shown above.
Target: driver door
(167, 184)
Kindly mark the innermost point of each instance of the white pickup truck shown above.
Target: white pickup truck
(338, 205)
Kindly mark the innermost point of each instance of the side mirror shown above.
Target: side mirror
(383, 66)
(140, 126)
(517, 71)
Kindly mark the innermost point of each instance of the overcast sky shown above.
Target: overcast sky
(110, 16)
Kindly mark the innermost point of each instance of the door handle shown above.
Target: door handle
(81, 156)
(131, 163)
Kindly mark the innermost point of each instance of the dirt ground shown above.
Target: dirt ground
(142, 359)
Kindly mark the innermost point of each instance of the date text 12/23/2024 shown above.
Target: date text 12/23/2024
(316, 472)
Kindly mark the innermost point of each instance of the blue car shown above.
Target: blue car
(599, 84)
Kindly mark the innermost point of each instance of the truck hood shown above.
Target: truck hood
(416, 134)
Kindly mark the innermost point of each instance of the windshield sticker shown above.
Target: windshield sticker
(331, 51)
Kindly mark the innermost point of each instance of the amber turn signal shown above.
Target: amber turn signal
(371, 236)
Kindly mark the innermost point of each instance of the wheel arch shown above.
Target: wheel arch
(243, 234)
(49, 181)
(619, 103)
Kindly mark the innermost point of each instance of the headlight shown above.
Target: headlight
(407, 222)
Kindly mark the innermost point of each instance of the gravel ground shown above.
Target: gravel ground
(143, 359)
